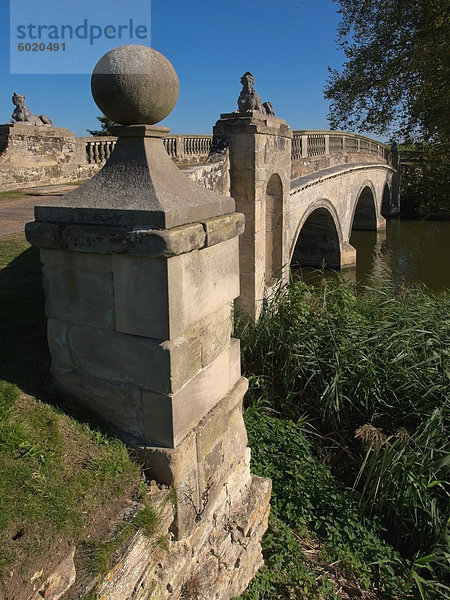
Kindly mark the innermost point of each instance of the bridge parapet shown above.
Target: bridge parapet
(182, 148)
(314, 150)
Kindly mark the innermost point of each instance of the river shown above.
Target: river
(408, 251)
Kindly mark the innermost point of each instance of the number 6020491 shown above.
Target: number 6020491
(42, 47)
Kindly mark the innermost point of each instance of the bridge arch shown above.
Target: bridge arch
(365, 213)
(318, 238)
(273, 228)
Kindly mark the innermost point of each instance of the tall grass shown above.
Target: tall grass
(374, 363)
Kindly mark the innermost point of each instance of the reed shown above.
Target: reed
(373, 363)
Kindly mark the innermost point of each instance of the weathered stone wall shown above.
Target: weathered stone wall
(32, 156)
(214, 175)
(260, 151)
(140, 267)
(312, 164)
(216, 562)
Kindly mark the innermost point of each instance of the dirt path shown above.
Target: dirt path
(15, 212)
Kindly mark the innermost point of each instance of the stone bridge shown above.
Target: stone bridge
(302, 194)
(140, 269)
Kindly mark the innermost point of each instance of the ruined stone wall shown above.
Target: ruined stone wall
(32, 156)
(214, 175)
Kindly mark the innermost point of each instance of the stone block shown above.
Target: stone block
(176, 299)
(42, 235)
(223, 228)
(141, 297)
(76, 260)
(79, 296)
(214, 333)
(115, 403)
(235, 361)
(215, 424)
(135, 241)
(57, 333)
(169, 418)
(120, 358)
(215, 268)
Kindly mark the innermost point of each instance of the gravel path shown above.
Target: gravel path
(14, 213)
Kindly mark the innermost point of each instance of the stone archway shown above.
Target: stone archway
(318, 241)
(365, 213)
(273, 229)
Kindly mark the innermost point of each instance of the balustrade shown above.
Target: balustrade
(316, 144)
(304, 144)
(321, 143)
(296, 146)
(98, 150)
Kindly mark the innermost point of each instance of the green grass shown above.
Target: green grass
(374, 364)
(56, 475)
(308, 501)
(61, 478)
(11, 194)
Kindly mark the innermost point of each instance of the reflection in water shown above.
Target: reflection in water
(407, 251)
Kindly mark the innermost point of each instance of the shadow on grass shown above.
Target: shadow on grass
(24, 354)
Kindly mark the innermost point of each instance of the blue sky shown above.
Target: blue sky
(286, 44)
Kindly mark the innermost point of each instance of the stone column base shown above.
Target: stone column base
(348, 256)
(381, 224)
(216, 562)
(204, 463)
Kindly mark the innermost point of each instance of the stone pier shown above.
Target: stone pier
(260, 174)
(140, 268)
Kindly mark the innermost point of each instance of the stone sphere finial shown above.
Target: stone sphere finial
(135, 84)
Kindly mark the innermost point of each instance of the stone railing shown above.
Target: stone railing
(188, 148)
(182, 148)
(98, 149)
(311, 150)
(314, 150)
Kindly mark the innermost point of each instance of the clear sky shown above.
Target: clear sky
(286, 44)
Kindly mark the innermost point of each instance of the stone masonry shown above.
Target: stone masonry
(140, 267)
(260, 174)
(32, 156)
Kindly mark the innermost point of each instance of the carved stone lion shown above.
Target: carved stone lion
(21, 113)
(250, 100)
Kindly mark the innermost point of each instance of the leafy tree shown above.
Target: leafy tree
(395, 78)
(395, 82)
(106, 124)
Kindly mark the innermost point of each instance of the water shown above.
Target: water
(408, 251)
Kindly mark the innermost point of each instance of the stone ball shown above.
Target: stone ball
(135, 84)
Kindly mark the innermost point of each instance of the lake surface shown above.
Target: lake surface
(408, 251)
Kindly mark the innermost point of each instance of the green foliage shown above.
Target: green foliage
(105, 127)
(286, 573)
(425, 179)
(374, 362)
(396, 73)
(307, 498)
